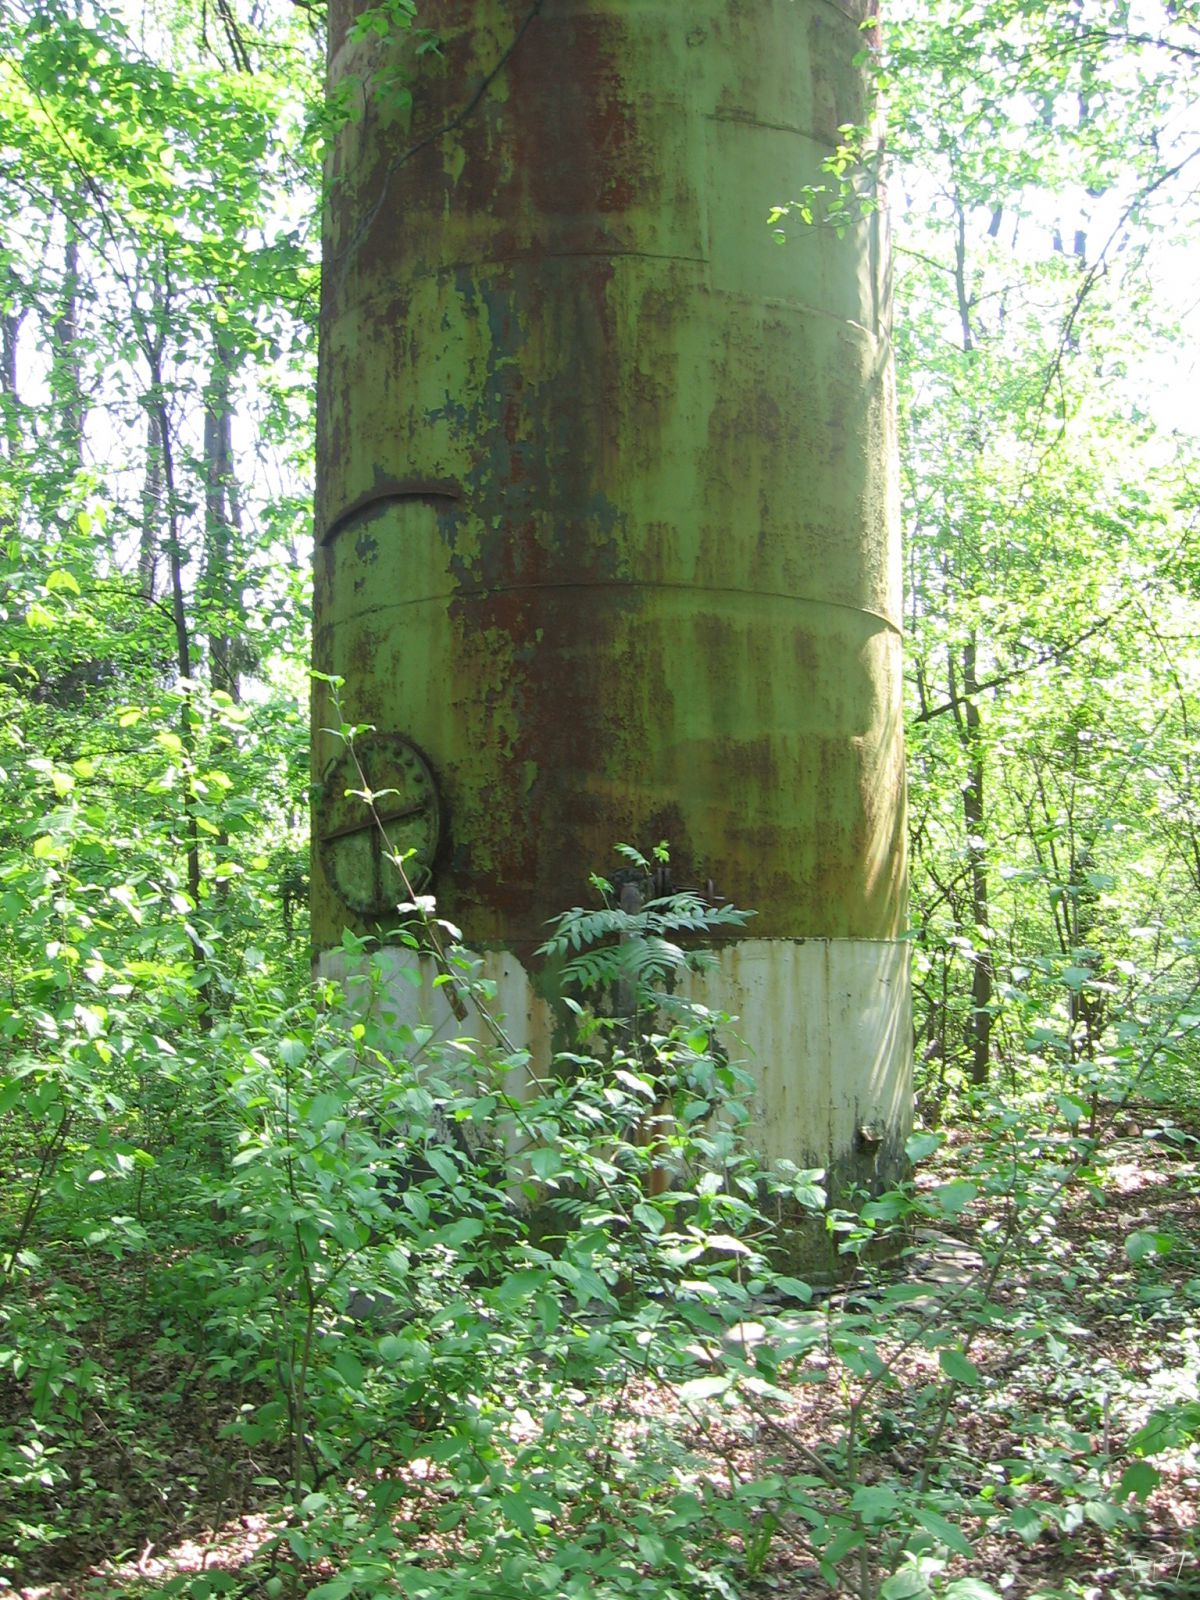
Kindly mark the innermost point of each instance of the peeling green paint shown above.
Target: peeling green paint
(657, 590)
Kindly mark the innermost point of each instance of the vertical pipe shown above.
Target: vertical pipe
(606, 506)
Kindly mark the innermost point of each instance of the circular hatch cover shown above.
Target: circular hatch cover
(357, 840)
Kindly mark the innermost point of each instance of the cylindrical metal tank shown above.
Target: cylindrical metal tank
(606, 509)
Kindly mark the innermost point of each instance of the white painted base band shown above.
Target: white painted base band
(823, 1024)
(827, 1030)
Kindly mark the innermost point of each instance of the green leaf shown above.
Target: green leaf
(809, 1195)
(443, 1164)
(334, 1589)
(890, 1205)
(727, 1243)
(520, 1285)
(1073, 1110)
(323, 1108)
(1026, 1523)
(944, 1531)
(652, 1549)
(840, 1546)
(969, 1589)
(959, 1367)
(292, 1052)
(1138, 1479)
(919, 1146)
(549, 1312)
(900, 1294)
(459, 1232)
(520, 1512)
(1146, 1243)
(705, 1388)
(1166, 1428)
(793, 1288)
(954, 1197)
(350, 1369)
(906, 1584)
(545, 1163)
(874, 1502)
(1103, 1515)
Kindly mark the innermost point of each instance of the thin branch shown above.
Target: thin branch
(1055, 655)
(1054, 374)
(455, 122)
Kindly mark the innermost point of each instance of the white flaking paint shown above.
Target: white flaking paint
(827, 1033)
(824, 1026)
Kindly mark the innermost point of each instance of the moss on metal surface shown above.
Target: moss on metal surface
(606, 499)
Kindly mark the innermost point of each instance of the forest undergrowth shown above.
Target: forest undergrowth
(380, 1326)
(152, 1495)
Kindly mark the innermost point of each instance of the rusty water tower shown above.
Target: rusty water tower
(607, 541)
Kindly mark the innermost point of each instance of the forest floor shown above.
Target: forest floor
(136, 1509)
(1128, 1340)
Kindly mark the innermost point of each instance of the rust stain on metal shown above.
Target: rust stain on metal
(580, 143)
(621, 480)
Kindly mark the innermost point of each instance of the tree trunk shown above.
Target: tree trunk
(68, 363)
(152, 512)
(222, 527)
(983, 974)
